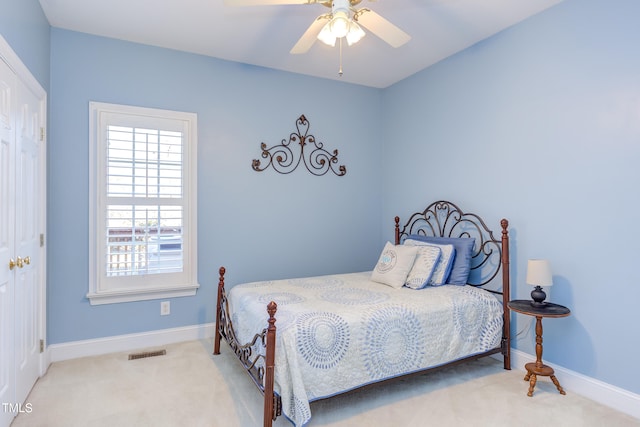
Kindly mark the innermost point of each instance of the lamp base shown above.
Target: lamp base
(538, 296)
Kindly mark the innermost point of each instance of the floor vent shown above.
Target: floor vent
(147, 354)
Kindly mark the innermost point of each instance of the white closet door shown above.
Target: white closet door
(29, 125)
(22, 223)
(7, 240)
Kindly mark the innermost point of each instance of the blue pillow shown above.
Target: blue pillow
(445, 263)
(462, 262)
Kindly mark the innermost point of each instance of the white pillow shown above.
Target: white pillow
(423, 267)
(443, 268)
(394, 265)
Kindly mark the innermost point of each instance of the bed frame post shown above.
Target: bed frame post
(269, 410)
(216, 342)
(506, 333)
(397, 229)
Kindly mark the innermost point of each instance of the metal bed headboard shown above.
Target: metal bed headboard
(445, 219)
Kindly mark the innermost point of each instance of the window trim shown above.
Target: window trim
(100, 294)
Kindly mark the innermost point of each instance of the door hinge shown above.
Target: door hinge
(41, 134)
(41, 346)
(41, 240)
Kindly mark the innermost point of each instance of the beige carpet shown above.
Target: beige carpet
(190, 387)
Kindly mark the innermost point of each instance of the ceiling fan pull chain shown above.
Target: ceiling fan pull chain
(340, 70)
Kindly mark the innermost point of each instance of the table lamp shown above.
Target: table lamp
(538, 275)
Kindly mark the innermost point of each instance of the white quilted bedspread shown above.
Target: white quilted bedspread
(339, 332)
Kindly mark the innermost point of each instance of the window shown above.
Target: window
(143, 203)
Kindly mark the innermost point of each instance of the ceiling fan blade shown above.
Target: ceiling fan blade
(309, 37)
(266, 2)
(382, 28)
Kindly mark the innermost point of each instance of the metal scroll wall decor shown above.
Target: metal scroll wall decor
(285, 159)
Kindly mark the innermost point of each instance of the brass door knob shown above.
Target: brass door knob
(19, 262)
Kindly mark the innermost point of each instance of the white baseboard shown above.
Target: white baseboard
(98, 346)
(601, 392)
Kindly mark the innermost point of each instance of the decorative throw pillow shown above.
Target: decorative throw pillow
(423, 267)
(394, 265)
(443, 268)
(464, 252)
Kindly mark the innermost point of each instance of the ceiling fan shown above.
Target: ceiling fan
(343, 21)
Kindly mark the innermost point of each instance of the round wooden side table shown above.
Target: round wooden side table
(536, 368)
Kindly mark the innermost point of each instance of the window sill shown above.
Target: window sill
(119, 296)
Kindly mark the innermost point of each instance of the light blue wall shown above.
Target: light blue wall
(541, 124)
(24, 26)
(259, 225)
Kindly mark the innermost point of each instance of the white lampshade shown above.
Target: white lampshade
(539, 273)
(355, 33)
(326, 36)
(340, 24)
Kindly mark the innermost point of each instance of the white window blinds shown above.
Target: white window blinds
(144, 191)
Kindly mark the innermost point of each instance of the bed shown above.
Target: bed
(437, 296)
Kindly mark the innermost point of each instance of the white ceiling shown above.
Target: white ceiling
(264, 35)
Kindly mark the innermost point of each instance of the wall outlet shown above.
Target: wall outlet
(165, 308)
